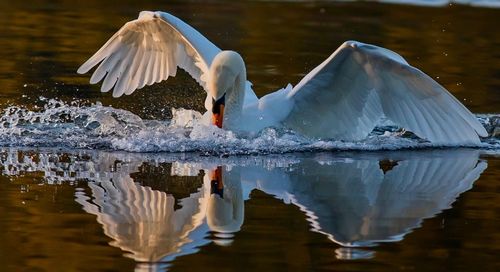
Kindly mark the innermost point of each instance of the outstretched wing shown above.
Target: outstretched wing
(148, 50)
(358, 84)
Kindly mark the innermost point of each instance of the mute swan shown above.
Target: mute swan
(343, 98)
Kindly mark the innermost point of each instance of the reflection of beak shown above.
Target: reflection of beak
(218, 110)
(216, 185)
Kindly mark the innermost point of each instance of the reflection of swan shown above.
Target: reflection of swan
(342, 98)
(364, 200)
(354, 200)
(145, 223)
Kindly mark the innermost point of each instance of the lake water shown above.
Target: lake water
(92, 183)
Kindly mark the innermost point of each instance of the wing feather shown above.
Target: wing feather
(135, 71)
(110, 79)
(143, 69)
(346, 95)
(162, 65)
(99, 73)
(124, 77)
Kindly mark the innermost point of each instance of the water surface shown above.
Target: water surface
(111, 210)
(79, 193)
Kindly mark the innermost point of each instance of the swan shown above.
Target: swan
(343, 98)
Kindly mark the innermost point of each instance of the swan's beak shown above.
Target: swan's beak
(218, 111)
(216, 185)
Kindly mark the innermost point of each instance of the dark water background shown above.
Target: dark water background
(44, 42)
(44, 192)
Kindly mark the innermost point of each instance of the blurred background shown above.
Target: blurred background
(44, 42)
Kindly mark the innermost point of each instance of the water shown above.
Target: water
(102, 127)
(377, 210)
(91, 183)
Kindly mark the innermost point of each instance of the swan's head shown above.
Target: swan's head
(227, 71)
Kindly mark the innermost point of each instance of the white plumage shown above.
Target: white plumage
(343, 98)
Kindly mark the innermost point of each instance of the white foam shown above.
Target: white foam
(63, 125)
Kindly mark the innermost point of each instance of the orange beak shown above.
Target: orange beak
(217, 117)
(218, 111)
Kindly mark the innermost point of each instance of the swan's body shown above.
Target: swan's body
(343, 98)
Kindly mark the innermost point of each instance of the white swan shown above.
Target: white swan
(343, 98)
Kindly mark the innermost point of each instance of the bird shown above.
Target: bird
(343, 98)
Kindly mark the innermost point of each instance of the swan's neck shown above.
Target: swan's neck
(228, 78)
(235, 97)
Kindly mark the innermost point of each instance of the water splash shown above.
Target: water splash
(73, 125)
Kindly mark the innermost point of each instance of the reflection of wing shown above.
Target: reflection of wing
(140, 220)
(346, 95)
(354, 203)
